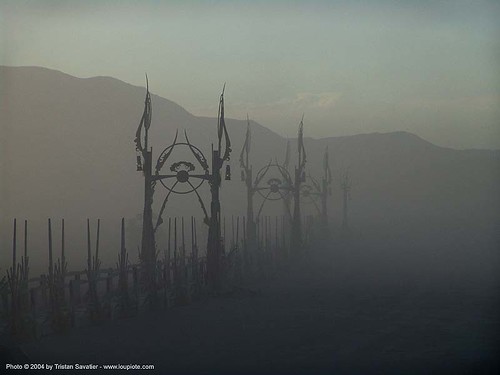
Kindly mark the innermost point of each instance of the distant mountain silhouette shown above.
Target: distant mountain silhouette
(67, 151)
(68, 142)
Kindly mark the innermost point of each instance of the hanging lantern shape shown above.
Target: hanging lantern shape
(139, 162)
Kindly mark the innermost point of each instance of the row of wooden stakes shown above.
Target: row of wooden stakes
(61, 299)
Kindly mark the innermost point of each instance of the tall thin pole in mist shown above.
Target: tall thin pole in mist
(123, 263)
(325, 190)
(51, 271)
(63, 258)
(148, 245)
(287, 197)
(247, 177)
(25, 240)
(192, 238)
(169, 238)
(26, 259)
(176, 279)
(89, 251)
(183, 259)
(237, 230)
(14, 244)
(296, 236)
(97, 241)
(322, 191)
(214, 247)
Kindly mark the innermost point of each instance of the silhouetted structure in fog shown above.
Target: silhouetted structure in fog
(182, 173)
(272, 189)
(296, 235)
(247, 177)
(321, 191)
(148, 245)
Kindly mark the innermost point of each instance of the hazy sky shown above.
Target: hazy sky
(429, 67)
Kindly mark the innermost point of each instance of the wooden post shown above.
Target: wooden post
(194, 255)
(26, 250)
(169, 250)
(257, 233)
(245, 247)
(249, 226)
(96, 259)
(123, 265)
(276, 238)
(183, 254)
(89, 253)
(148, 245)
(51, 264)
(176, 275)
(14, 243)
(215, 249)
(237, 230)
(224, 237)
(184, 278)
(296, 235)
(266, 234)
(14, 286)
(63, 257)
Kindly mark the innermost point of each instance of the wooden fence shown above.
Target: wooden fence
(60, 299)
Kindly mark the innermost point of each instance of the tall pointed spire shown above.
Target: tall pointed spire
(222, 130)
(300, 144)
(245, 151)
(145, 121)
(286, 163)
(326, 166)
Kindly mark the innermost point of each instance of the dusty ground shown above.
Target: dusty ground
(340, 312)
